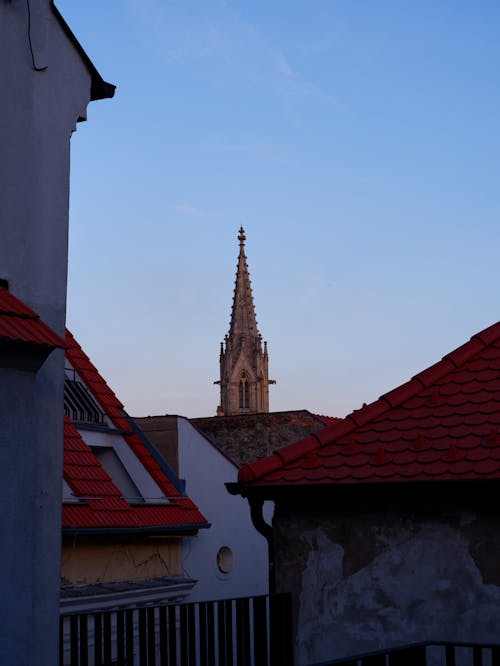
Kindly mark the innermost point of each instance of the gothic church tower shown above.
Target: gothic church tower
(244, 381)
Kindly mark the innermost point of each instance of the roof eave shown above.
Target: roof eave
(99, 88)
(170, 530)
(378, 489)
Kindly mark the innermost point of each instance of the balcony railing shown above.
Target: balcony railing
(250, 631)
(426, 654)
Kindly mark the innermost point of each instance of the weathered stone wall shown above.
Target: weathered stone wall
(368, 578)
(246, 438)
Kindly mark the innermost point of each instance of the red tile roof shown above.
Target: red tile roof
(104, 506)
(443, 424)
(328, 420)
(19, 323)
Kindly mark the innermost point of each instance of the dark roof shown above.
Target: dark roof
(328, 420)
(99, 89)
(444, 424)
(86, 477)
(246, 437)
(20, 324)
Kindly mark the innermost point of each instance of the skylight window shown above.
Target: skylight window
(79, 405)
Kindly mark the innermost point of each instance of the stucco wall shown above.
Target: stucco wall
(87, 560)
(206, 471)
(364, 579)
(38, 113)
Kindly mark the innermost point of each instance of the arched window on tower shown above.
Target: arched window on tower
(244, 392)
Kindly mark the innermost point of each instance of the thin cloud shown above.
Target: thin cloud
(220, 34)
(253, 148)
(186, 209)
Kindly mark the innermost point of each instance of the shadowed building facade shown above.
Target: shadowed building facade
(244, 379)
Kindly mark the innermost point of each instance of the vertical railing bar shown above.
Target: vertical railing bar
(143, 643)
(129, 636)
(240, 655)
(495, 656)
(211, 633)
(172, 635)
(221, 633)
(229, 632)
(243, 632)
(107, 638)
(184, 661)
(162, 630)
(98, 639)
(151, 636)
(73, 638)
(84, 640)
(120, 636)
(477, 656)
(191, 633)
(202, 612)
(450, 655)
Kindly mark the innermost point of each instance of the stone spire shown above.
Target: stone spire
(244, 382)
(243, 321)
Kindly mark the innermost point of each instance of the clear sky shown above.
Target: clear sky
(357, 142)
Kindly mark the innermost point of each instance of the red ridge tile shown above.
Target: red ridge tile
(372, 411)
(490, 335)
(434, 373)
(403, 392)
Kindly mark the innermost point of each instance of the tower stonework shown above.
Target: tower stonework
(244, 380)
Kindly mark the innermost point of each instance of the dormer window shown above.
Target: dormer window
(79, 405)
(244, 392)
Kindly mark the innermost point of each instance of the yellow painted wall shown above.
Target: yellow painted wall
(87, 560)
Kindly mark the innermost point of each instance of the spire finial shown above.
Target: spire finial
(241, 237)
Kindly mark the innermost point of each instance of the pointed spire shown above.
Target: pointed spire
(244, 380)
(243, 321)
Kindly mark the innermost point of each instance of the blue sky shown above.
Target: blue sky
(357, 142)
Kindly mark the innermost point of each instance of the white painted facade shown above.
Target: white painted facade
(206, 470)
(45, 90)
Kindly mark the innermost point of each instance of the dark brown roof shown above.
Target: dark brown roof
(247, 437)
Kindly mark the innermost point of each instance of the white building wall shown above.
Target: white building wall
(38, 113)
(206, 470)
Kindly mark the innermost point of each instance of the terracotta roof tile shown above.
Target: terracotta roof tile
(105, 506)
(443, 424)
(19, 323)
(328, 420)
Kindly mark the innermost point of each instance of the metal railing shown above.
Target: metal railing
(249, 631)
(426, 654)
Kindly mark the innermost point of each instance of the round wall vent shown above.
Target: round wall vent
(225, 559)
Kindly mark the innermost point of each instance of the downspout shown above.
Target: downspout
(256, 506)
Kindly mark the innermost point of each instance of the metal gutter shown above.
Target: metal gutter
(180, 530)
